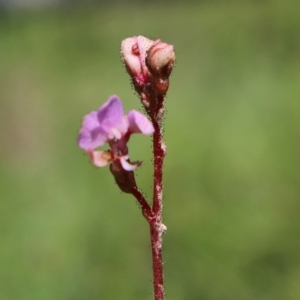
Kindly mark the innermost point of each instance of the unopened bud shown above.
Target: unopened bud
(148, 63)
(134, 51)
(160, 59)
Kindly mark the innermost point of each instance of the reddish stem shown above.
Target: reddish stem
(156, 226)
(159, 154)
(154, 214)
(156, 246)
(146, 209)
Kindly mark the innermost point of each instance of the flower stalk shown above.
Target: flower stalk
(149, 65)
(157, 228)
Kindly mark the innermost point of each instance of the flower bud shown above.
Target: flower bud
(160, 59)
(134, 51)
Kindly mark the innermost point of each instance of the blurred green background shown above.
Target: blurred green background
(232, 128)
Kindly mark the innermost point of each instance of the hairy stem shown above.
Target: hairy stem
(156, 246)
(146, 209)
(159, 154)
(156, 226)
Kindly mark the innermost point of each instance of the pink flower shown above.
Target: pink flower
(109, 125)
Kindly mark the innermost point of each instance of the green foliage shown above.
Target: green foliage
(232, 129)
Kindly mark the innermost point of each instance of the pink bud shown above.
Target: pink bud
(161, 58)
(134, 52)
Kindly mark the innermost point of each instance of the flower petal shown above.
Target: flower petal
(138, 123)
(91, 135)
(111, 113)
(118, 131)
(144, 45)
(100, 158)
(127, 166)
(130, 54)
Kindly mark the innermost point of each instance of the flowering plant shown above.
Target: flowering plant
(149, 64)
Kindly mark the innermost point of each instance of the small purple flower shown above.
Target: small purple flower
(110, 125)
